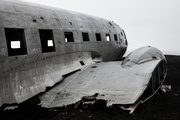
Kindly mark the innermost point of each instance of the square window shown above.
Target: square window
(115, 37)
(85, 36)
(68, 37)
(98, 36)
(108, 37)
(16, 43)
(47, 41)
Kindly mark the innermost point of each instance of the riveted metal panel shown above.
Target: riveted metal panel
(87, 46)
(63, 15)
(31, 21)
(2, 70)
(61, 36)
(33, 41)
(24, 3)
(47, 12)
(44, 22)
(62, 49)
(56, 23)
(79, 47)
(70, 47)
(77, 36)
(3, 43)
(23, 9)
(75, 25)
(16, 2)
(52, 18)
(94, 46)
(103, 37)
(1, 20)
(7, 93)
(99, 47)
(7, 7)
(90, 26)
(58, 37)
(68, 25)
(92, 36)
(85, 26)
(30, 10)
(101, 28)
(11, 20)
(77, 17)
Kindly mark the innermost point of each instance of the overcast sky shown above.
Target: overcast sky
(146, 22)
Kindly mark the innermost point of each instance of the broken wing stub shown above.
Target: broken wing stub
(125, 83)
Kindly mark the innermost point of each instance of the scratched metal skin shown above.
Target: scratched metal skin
(111, 81)
(23, 76)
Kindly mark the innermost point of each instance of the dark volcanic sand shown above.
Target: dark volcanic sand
(163, 106)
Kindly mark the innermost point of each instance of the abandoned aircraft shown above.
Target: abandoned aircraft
(77, 55)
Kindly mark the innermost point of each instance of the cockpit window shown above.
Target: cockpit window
(15, 41)
(121, 33)
(47, 41)
(124, 35)
(126, 43)
(120, 39)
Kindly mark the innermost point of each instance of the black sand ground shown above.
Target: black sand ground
(163, 106)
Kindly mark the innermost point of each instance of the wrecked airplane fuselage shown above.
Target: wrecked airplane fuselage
(41, 45)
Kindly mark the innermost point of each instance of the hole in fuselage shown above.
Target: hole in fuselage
(94, 67)
(70, 23)
(82, 63)
(42, 18)
(34, 20)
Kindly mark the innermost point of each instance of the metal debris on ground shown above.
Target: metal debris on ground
(166, 88)
(11, 107)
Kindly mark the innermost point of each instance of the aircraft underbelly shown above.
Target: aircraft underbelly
(109, 80)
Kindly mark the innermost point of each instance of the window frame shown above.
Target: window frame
(69, 38)
(98, 36)
(85, 36)
(108, 36)
(45, 36)
(115, 37)
(18, 35)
